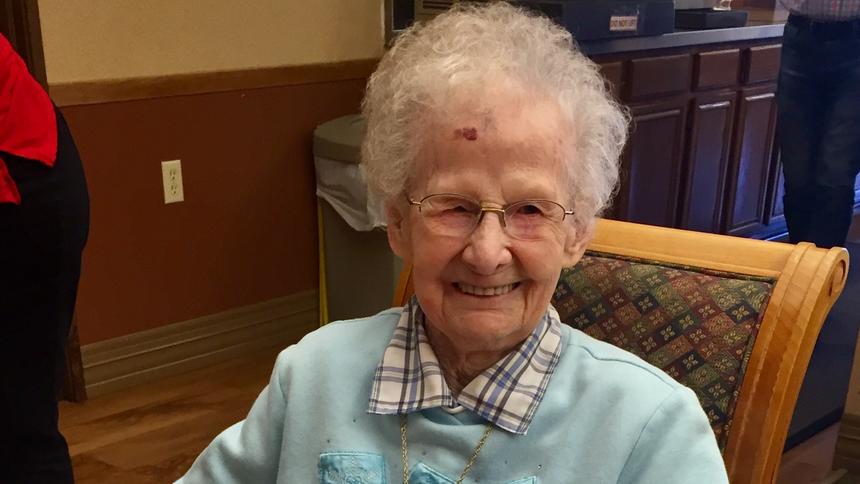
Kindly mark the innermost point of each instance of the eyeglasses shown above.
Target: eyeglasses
(455, 215)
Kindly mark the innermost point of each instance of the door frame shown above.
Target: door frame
(19, 22)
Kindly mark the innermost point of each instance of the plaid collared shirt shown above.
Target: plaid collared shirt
(507, 394)
(826, 10)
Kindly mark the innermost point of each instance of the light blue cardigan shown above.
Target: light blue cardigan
(607, 417)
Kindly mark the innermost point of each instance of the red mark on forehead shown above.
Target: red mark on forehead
(470, 134)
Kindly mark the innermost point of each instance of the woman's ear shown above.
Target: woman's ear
(399, 237)
(576, 242)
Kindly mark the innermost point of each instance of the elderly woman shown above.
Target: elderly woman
(494, 145)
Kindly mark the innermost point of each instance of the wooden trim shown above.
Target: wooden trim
(115, 90)
(19, 22)
(176, 348)
(848, 444)
(810, 283)
(35, 50)
(74, 386)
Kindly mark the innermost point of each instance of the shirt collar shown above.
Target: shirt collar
(409, 379)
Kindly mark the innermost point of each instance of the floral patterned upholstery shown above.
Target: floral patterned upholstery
(699, 326)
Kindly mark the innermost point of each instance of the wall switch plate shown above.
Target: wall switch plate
(171, 175)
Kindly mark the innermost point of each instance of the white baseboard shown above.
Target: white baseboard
(176, 348)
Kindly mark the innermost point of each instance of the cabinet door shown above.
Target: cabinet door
(651, 166)
(613, 75)
(709, 150)
(857, 191)
(752, 164)
(777, 213)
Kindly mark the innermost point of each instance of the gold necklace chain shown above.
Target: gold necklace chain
(404, 451)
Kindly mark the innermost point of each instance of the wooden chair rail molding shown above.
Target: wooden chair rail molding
(118, 90)
(808, 281)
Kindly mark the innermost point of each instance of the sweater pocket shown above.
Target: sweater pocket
(351, 468)
(424, 474)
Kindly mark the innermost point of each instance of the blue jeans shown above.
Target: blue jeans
(818, 97)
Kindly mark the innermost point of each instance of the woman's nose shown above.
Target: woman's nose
(488, 247)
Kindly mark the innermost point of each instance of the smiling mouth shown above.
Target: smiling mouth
(485, 291)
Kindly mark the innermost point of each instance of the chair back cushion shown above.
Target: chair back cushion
(697, 325)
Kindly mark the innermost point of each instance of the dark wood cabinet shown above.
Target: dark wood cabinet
(857, 191)
(613, 73)
(658, 76)
(701, 153)
(651, 166)
(761, 63)
(716, 69)
(777, 211)
(709, 147)
(751, 167)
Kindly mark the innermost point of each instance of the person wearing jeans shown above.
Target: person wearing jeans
(818, 96)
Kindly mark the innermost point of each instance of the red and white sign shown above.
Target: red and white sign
(623, 23)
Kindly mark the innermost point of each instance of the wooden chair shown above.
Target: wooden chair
(803, 281)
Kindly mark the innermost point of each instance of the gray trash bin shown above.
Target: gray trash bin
(361, 271)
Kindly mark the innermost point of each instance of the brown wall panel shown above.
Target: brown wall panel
(247, 229)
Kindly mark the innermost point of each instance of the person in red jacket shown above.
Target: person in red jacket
(44, 221)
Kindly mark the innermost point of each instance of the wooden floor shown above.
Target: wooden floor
(809, 462)
(151, 434)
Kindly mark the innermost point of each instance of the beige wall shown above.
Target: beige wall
(91, 40)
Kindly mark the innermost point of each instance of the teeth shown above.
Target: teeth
(486, 291)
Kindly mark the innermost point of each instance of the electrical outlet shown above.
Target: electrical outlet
(171, 175)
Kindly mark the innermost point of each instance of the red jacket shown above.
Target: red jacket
(28, 126)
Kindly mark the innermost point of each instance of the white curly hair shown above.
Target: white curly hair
(468, 46)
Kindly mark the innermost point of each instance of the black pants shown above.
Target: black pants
(819, 128)
(40, 262)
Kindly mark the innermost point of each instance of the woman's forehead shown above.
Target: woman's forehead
(508, 138)
(507, 184)
(505, 117)
(491, 172)
(503, 136)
